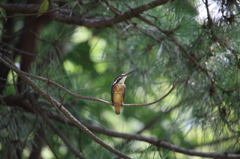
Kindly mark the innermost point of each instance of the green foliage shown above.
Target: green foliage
(83, 56)
(180, 44)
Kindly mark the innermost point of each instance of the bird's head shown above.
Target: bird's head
(121, 78)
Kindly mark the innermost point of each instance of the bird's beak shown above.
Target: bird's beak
(127, 74)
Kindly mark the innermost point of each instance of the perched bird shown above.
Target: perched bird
(118, 91)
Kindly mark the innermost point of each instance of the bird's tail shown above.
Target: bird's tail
(117, 109)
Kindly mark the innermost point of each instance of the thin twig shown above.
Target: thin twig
(147, 104)
(34, 102)
(48, 81)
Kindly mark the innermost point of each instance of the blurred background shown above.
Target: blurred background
(194, 40)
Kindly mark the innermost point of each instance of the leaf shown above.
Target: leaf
(3, 13)
(44, 7)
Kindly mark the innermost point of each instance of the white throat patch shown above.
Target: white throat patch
(122, 80)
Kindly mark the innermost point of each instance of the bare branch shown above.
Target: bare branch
(101, 22)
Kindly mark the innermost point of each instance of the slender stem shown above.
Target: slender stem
(48, 81)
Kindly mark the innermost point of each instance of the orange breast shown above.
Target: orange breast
(118, 93)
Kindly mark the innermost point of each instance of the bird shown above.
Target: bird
(118, 91)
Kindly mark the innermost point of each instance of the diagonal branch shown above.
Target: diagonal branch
(63, 110)
(154, 141)
(34, 102)
(60, 15)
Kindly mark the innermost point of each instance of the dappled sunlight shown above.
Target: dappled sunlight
(47, 153)
(71, 67)
(81, 34)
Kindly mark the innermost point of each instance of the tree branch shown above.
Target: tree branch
(62, 109)
(61, 16)
(157, 142)
(150, 140)
(48, 81)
